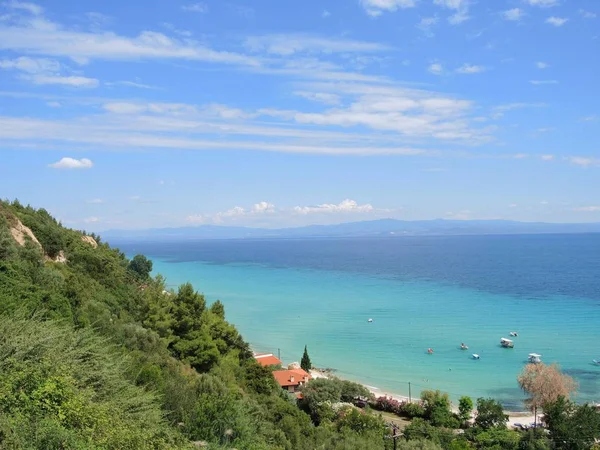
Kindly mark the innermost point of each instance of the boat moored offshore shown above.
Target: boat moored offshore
(506, 343)
(534, 358)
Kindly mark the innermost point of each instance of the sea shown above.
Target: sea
(420, 292)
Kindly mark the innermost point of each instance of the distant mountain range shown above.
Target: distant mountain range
(383, 227)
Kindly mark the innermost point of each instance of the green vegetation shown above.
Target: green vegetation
(95, 353)
(305, 361)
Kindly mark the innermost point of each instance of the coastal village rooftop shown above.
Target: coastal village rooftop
(267, 359)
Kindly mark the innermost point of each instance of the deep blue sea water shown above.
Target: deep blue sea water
(421, 292)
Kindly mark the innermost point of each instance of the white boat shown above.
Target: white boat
(506, 343)
(475, 356)
(464, 346)
(514, 333)
(596, 361)
(370, 320)
(534, 358)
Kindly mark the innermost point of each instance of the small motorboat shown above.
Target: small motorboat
(506, 343)
(430, 351)
(534, 358)
(475, 356)
(463, 346)
(596, 361)
(514, 333)
(370, 320)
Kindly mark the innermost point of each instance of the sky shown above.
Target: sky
(145, 114)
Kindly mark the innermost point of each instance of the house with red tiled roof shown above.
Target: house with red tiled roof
(267, 359)
(292, 380)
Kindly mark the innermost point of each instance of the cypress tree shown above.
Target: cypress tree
(305, 361)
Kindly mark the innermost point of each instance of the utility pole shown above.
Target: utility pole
(278, 354)
(409, 396)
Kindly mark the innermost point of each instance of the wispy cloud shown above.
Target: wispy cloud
(587, 14)
(31, 8)
(92, 219)
(80, 82)
(587, 209)
(557, 21)
(72, 163)
(290, 44)
(134, 84)
(196, 7)
(542, 3)
(583, 161)
(542, 82)
(469, 69)
(425, 25)
(460, 6)
(435, 68)
(325, 14)
(514, 14)
(542, 65)
(95, 201)
(547, 157)
(376, 7)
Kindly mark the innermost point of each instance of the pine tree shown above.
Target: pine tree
(305, 361)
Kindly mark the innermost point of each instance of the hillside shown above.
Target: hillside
(97, 354)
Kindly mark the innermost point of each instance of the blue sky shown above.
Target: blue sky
(169, 113)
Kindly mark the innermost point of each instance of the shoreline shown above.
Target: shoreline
(514, 417)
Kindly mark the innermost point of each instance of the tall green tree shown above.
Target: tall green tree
(141, 267)
(571, 426)
(465, 407)
(305, 361)
(490, 414)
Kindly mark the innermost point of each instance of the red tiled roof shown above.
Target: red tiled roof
(267, 360)
(284, 377)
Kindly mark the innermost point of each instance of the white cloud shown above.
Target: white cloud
(512, 205)
(91, 220)
(425, 25)
(544, 202)
(520, 156)
(541, 82)
(376, 7)
(325, 14)
(263, 207)
(32, 8)
(290, 44)
(587, 209)
(498, 111)
(556, 21)
(514, 14)
(547, 157)
(54, 104)
(542, 65)
(542, 3)
(436, 69)
(461, 7)
(583, 161)
(346, 206)
(95, 201)
(65, 81)
(320, 97)
(587, 14)
(30, 65)
(72, 163)
(470, 69)
(196, 7)
(41, 36)
(458, 18)
(130, 84)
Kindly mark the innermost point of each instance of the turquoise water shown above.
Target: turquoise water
(286, 308)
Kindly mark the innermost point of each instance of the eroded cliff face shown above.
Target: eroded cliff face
(90, 240)
(20, 233)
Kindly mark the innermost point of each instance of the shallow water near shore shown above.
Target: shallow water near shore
(283, 295)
